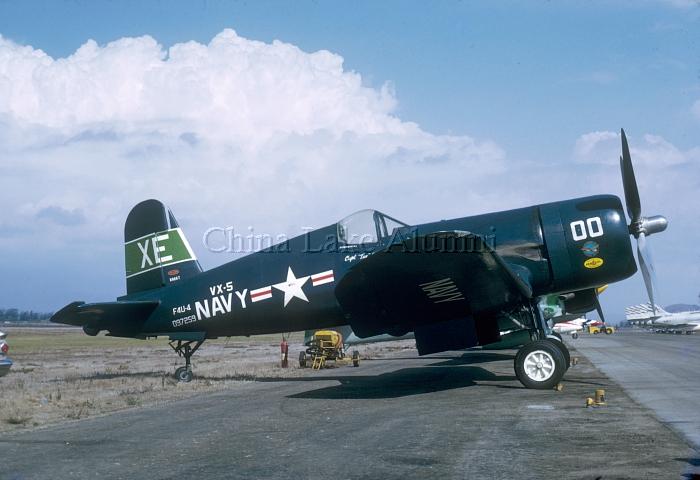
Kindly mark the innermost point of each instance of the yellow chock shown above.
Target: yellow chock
(589, 402)
(600, 397)
(559, 387)
(574, 361)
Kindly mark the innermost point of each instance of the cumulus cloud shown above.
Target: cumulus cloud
(241, 133)
(233, 132)
(655, 151)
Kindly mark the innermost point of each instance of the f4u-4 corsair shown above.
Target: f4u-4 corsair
(454, 283)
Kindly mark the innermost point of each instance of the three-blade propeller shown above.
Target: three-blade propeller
(640, 227)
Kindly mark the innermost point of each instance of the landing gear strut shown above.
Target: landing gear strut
(542, 363)
(185, 349)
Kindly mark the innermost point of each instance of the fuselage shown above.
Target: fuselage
(689, 321)
(567, 327)
(558, 247)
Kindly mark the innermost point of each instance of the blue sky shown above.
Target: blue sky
(528, 79)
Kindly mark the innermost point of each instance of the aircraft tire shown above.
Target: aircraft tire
(355, 358)
(540, 365)
(608, 331)
(574, 335)
(302, 359)
(183, 374)
(562, 347)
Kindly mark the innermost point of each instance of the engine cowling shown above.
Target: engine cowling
(587, 242)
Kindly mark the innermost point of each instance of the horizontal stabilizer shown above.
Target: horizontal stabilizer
(120, 318)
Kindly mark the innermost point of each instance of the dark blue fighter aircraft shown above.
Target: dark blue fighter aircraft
(454, 283)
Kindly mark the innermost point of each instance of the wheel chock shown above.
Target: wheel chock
(600, 397)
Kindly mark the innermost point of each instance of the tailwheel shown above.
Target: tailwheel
(540, 365)
(183, 374)
(185, 349)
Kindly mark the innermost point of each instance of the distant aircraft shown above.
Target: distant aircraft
(571, 327)
(454, 283)
(659, 319)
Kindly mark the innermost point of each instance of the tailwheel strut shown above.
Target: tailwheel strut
(185, 349)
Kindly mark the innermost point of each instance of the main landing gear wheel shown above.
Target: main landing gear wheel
(355, 358)
(183, 374)
(540, 365)
(556, 340)
(574, 335)
(302, 359)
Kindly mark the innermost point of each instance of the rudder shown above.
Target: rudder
(156, 251)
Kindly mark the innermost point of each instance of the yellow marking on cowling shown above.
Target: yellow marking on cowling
(594, 262)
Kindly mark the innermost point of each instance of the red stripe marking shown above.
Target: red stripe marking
(261, 293)
(316, 279)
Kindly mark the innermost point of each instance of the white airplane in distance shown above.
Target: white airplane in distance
(663, 321)
(571, 327)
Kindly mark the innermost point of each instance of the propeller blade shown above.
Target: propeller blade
(647, 267)
(629, 183)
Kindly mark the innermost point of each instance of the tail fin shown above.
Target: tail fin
(155, 249)
(643, 311)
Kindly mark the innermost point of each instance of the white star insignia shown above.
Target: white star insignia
(292, 287)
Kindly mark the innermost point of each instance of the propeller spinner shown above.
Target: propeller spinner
(640, 227)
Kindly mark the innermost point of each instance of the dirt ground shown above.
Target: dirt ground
(61, 374)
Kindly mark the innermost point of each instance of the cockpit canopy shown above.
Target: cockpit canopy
(366, 226)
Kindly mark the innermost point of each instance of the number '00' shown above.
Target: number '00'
(592, 227)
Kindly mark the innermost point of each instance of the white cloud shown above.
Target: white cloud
(655, 151)
(588, 143)
(233, 132)
(239, 132)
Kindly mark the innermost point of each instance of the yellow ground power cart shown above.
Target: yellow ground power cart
(595, 330)
(326, 345)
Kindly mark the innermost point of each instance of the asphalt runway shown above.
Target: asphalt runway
(457, 415)
(660, 371)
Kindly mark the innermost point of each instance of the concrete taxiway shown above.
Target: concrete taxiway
(458, 415)
(660, 371)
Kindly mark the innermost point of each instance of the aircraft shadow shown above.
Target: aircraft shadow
(467, 358)
(472, 358)
(400, 383)
(693, 472)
